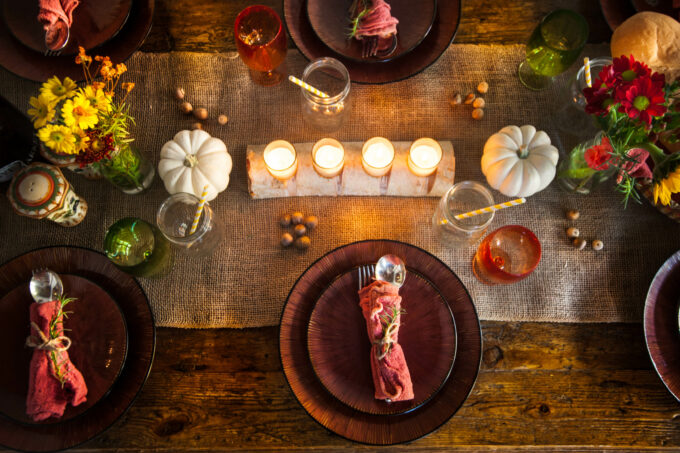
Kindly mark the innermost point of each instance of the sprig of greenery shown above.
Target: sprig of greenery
(59, 372)
(387, 320)
(355, 19)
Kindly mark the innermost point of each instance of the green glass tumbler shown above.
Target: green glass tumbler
(138, 248)
(554, 45)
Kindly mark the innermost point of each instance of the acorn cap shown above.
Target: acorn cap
(37, 190)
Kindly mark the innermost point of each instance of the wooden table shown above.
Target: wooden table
(542, 386)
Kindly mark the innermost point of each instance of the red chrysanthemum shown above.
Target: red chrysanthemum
(598, 101)
(606, 78)
(100, 148)
(642, 99)
(598, 156)
(627, 69)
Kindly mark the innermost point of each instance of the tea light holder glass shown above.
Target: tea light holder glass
(280, 159)
(424, 156)
(328, 157)
(377, 156)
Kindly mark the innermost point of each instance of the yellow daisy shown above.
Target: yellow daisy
(667, 186)
(78, 112)
(55, 90)
(82, 140)
(42, 111)
(60, 139)
(97, 98)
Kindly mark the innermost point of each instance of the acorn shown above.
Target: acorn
(223, 119)
(297, 217)
(579, 243)
(573, 214)
(483, 87)
(311, 222)
(303, 242)
(456, 99)
(469, 98)
(198, 126)
(186, 107)
(201, 113)
(284, 221)
(478, 103)
(286, 239)
(179, 93)
(573, 233)
(478, 114)
(300, 230)
(598, 244)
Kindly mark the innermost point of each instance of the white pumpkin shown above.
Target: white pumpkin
(519, 161)
(193, 159)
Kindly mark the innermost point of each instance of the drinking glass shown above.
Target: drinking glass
(578, 83)
(261, 43)
(331, 77)
(138, 248)
(175, 217)
(553, 46)
(462, 197)
(507, 255)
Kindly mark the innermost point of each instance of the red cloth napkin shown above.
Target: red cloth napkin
(46, 396)
(391, 377)
(379, 22)
(53, 10)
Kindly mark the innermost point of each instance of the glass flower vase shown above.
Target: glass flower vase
(128, 170)
(573, 173)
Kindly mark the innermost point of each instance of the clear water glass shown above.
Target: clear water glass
(578, 83)
(175, 217)
(331, 77)
(462, 197)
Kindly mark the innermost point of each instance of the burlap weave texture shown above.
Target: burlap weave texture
(246, 281)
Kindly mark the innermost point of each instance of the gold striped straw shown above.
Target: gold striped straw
(307, 86)
(199, 210)
(586, 64)
(493, 208)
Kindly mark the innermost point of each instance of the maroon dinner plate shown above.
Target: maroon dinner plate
(339, 347)
(424, 54)
(330, 20)
(141, 340)
(94, 23)
(662, 333)
(29, 64)
(338, 417)
(96, 328)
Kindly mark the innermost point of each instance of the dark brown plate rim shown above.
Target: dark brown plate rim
(113, 382)
(142, 377)
(657, 350)
(477, 345)
(433, 58)
(453, 358)
(378, 60)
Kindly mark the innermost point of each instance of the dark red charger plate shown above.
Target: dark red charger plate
(134, 305)
(339, 348)
(337, 416)
(427, 52)
(98, 333)
(32, 65)
(662, 332)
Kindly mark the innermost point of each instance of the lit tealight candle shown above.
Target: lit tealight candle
(328, 157)
(377, 156)
(424, 157)
(280, 159)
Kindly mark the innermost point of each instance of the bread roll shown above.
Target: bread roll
(650, 37)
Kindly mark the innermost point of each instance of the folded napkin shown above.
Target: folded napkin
(381, 306)
(378, 22)
(47, 397)
(52, 11)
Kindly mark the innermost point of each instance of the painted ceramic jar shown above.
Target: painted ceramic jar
(41, 191)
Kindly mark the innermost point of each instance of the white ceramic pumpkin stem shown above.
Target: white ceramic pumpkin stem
(523, 152)
(190, 161)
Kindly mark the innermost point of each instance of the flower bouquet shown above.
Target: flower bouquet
(640, 125)
(87, 127)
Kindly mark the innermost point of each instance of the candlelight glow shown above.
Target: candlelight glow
(328, 157)
(424, 157)
(377, 156)
(280, 159)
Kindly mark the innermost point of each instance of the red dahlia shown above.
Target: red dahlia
(642, 99)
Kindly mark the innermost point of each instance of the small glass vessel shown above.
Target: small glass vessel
(507, 255)
(329, 76)
(138, 248)
(175, 218)
(462, 197)
(573, 173)
(128, 170)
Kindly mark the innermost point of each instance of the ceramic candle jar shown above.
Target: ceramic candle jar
(41, 191)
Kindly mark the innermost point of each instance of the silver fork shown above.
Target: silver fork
(366, 272)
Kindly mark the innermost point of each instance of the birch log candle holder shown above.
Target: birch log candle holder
(351, 179)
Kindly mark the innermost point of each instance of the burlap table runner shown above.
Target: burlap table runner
(246, 281)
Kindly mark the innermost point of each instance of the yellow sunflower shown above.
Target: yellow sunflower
(42, 111)
(78, 112)
(97, 98)
(60, 139)
(667, 186)
(82, 140)
(55, 90)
